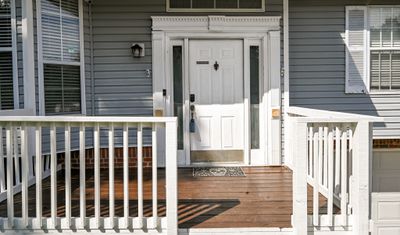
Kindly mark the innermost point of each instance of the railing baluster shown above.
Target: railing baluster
(350, 156)
(330, 176)
(10, 183)
(2, 169)
(140, 173)
(310, 151)
(337, 159)
(320, 154)
(68, 173)
(126, 174)
(16, 156)
(343, 191)
(154, 172)
(316, 179)
(111, 173)
(97, 174)
(24, 174)
(39, 174)
(53, 169)
(82, 174)
(325, 170)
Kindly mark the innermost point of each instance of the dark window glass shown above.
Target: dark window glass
(179, 4)
(178, 91)
(62, 89)
(6, 81)
(215, 4)
(202, 4)
(255, 96)
(226, 4)
(250, 4)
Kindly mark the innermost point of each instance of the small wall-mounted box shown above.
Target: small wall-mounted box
(276, 113)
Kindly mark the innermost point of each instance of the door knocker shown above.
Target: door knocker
(216, 66)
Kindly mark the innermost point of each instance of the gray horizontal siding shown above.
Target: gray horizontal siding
(317, 63)
(121, 85)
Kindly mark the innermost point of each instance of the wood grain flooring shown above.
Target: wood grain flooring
(263, 198)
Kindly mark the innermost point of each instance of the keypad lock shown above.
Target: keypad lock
(192, 124)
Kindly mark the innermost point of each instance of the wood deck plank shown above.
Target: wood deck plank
(263, 198)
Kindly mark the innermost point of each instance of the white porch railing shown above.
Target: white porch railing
(34, 170)
(331, 152)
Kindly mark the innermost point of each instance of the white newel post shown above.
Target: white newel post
(158, 81)
(28, 55)
(362, 155)
(274, 99)
(299, 154)
(171, 177)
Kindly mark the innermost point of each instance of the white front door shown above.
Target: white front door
(216, 85)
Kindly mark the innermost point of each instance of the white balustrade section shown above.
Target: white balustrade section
(330, 152)
(43, 166)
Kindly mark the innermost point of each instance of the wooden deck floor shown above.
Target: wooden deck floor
(261, 199)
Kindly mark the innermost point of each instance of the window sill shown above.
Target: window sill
(66, 114)
(384, 92)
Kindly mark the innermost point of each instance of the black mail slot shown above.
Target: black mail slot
(202, 62)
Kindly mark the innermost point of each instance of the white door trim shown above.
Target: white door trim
(168, 30)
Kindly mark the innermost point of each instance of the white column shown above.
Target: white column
(274, 99)
(28, 55)
(299, 219)
(362, 155)
(159, 83)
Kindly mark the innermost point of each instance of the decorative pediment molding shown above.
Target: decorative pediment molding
(216, 23)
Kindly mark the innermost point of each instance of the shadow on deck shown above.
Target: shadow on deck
(263, 198)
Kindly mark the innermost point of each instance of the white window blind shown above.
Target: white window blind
(6, 57)
(384, 23)
(356, 41)
(60, 30)
(60, 23)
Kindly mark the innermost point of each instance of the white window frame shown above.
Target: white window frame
(13, 50)
(42, 61)
(368, 50)
(169, 9)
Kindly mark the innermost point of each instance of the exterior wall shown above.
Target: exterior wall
(317, 63)
(120, 81)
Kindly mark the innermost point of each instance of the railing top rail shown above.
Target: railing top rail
(314, 115)
(335, 120)
(84, 119)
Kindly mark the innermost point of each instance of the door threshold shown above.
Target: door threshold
(216, 164)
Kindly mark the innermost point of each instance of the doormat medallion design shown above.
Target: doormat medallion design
(218, 171)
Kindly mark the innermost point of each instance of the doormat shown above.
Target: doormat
(218, 171)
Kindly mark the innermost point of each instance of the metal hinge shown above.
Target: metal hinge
(282, 71)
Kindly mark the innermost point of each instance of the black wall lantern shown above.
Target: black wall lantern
(137, 50)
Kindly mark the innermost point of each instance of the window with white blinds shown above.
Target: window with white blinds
(6, 56)
(216, 5)
(62, 89)
(61, 43)
(384, 27)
